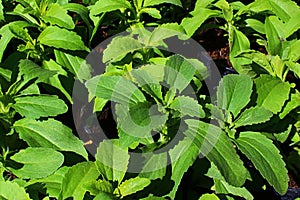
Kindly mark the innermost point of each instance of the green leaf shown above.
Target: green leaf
(60, 38)
(209, 197)
(98, 186)
(76, 178)
(256, 25)
(187, 106)
(222, 187)
(179, 72)
(34, 163)
(155, 166)
(13, 191)
(7, 35)
(140, 119)
(108, 6)
(153, 12)
(293, 103)
(115, 88)
(30, 70)
(234, 93)
(191, 24)
(273, 36)
(53, 182)
(147, 82)
(57, 15)
(111, 160)
(294, 51)
(1, 11)
(253, 115)
(6, 74)
(271, 92)
(120, 47)
(50, 133)
(148, 3)
(39, 106)
(133, 185)
(294, 67)
(104, 196)
(182, 156)
(266, 158)
(216, 146)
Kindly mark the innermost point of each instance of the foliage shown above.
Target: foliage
(233, 144)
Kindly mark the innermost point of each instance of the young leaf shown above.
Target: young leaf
(253, 115)
(120, 47)
(1, 11)
(215, 145)
(256, 25)
(34, 163)
(293, 103)
(155, 166)
(234, 93)
(266, 158)
(115, 88)
(153, 12)
(133, 185)
(98, 186)
(209, 197)
(271, 92)
(56, 15)
(10, 190)
(140, 119)
(104, 196)
(108, 6)
(111, 160)
(39, 106)
(148, 3)
(60, 38)
(187, 106)
(147, 82)
(76, 178)
(50, 133)
(179, 72)
(273, 36)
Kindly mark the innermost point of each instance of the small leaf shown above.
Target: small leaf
(266, 158)
(60, 38)
(39, 106)
(98, 186)
(271, 92)
(256, 25)
(155, 166)
(187, 106)
(108, 6)
(253, 115)
(56, 15)
(111, 160)
(50, 133)
(133, 185)
(76, 178)
(148, 3)
(38, 162)
(234, 93)
(179, 72)
(1, 11)
(115, 88)
(293, 103)
(273, 36)
(9, 190)
(153, 12)
(209, 197)
(120, 47)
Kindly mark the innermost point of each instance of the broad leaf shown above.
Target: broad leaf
(50, 133)
(147, 82)
(253, 115)
(9, 190)
(39, 106)
(111, 160)
(234, 93)
(108, 6)
(222, 187)
(148, 3)
(187, 106)
(133, 185)
(293, 103)
(98, 186)
(76, 178)
(56, 15)
(273, 36)
(60, 38)
(209, 197)
(120, 47)
(34, 163)
(179, 72)
(215, 145)
(155, 166)
(115, 88)
(266, 158)
(271, 92)
(140, 119)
